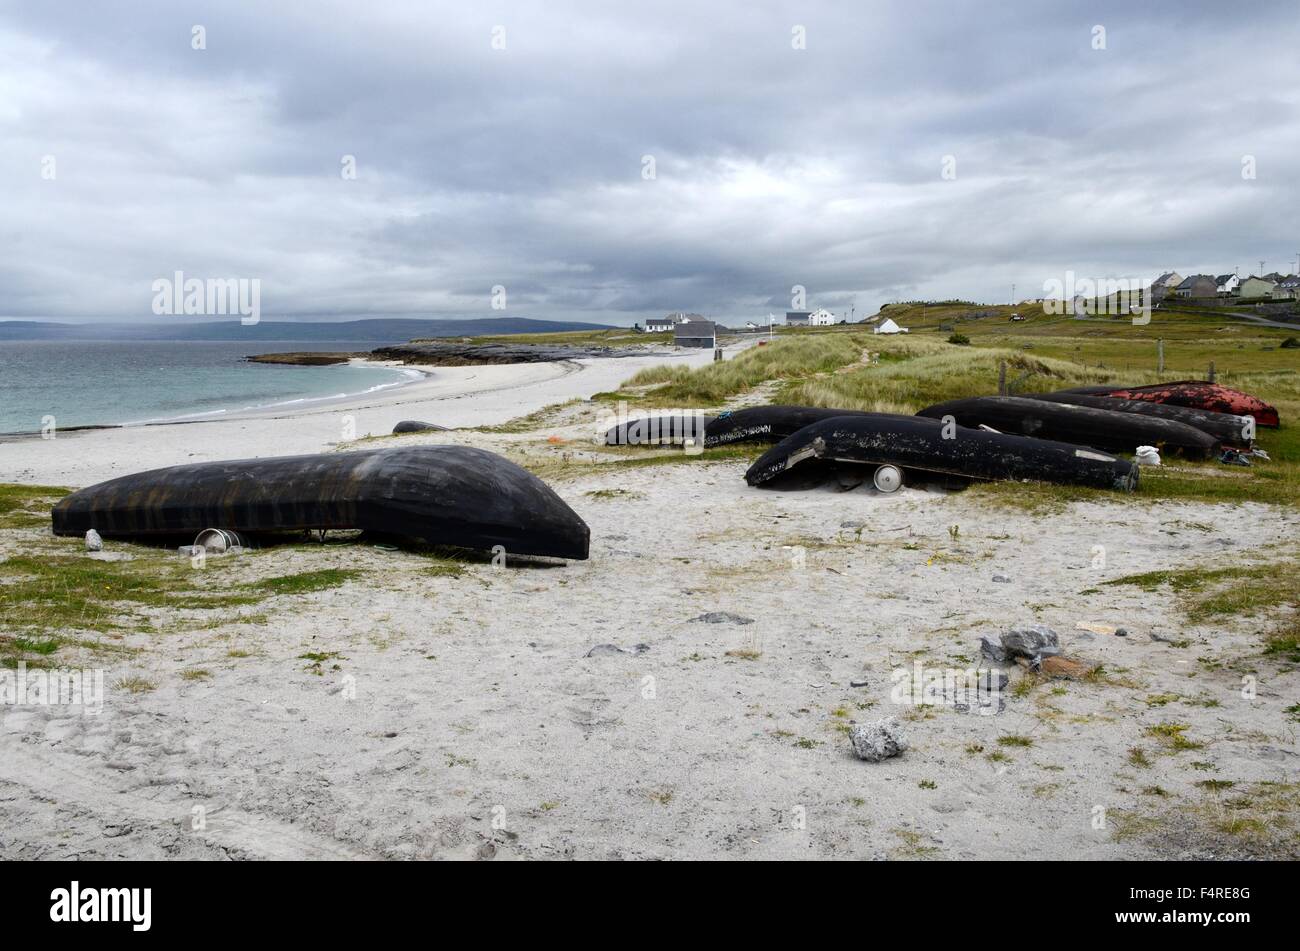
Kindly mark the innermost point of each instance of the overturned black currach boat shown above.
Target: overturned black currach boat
(1079, 425)
(767, 423)
(444, 495)
(417, 426)
(754, 424)
(668, 429)
(1230, 430)
(906, 447)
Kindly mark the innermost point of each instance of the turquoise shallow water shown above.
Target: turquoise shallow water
(110, 382)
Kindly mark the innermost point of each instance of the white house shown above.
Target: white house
(1227, 283)
(887, 326)
(662, 324)
(821, 317)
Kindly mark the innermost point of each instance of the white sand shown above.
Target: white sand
(479, 728)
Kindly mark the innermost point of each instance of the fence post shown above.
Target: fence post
(1002, 378)
(1160, 355)
(1211, 377)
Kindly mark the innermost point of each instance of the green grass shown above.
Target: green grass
(789, 358)
(306, 582)
(59, 592)
(1014, 740)
(28, 506)
(1233, 591)
(1170, 736)
(135, 685)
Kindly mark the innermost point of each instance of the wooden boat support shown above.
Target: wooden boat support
(443, 495)
(924, 448)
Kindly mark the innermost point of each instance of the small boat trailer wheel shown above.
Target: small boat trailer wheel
(888, 479)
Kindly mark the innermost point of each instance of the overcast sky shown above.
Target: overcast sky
(526, 167)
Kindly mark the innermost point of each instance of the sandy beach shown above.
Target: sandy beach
(684, 693)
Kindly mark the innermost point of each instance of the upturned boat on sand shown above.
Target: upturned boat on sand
(668, 429)
(754, 424)
(444, 495)
(903, 448)
(768, 424)
(1103, 429)
(1194, 394)
(1235, 431)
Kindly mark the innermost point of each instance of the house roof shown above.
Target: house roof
(1224, 278)
(1166, 276)
(1190, 282)
(696, 328)
(1291, 280)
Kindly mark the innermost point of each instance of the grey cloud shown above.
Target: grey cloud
(523, 167)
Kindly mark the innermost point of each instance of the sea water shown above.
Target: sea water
(90, 383)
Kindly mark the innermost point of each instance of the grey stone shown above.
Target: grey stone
(878, 740)
(1032, 641)
(93, 541)
(723, 617)
(1001, 579)
(604, 650)
(991, 647)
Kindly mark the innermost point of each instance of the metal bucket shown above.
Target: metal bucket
(219, 541)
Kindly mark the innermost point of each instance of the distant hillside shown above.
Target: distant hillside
(370, 331)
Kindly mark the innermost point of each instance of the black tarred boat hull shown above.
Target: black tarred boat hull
(1235, 431)
(755, 424)
(668, 430)
(918, 443)
(445, 495)
(768, 424)
(1103, 429)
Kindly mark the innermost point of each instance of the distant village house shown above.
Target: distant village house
(1255, 287)
(1197, 287)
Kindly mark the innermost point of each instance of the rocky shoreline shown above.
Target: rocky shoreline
(305, 359)
(478, 354)
(459, 354)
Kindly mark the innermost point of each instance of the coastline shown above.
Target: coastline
(414, 375)
(454, 396)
